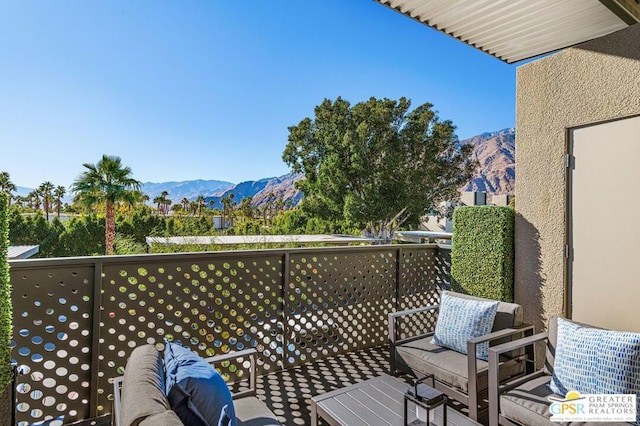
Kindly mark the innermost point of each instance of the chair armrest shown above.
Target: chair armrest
(393, 341)
(494, 372)
(117, 386)
(413, 311)
(251, 354)
(506, 332)
(393, 316)
(517, 344)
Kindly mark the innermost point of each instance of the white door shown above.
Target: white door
(604, 225)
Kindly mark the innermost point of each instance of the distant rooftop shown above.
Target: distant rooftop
(261, 239)
(22, 252)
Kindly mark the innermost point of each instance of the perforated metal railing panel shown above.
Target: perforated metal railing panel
(293, 306)
(338, 302)
(52, 340)
(213, 305)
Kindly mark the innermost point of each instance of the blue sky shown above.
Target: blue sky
(206, 89)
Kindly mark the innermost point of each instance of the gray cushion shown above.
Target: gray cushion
(167, 418)
(142, 386)
(508, 315)
(250, 411)
(528, 404)
(421, 357)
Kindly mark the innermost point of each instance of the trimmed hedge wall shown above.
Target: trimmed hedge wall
(6, 318)
(482, 253)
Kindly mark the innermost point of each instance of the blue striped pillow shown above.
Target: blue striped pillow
(595, 361)
(460, 320)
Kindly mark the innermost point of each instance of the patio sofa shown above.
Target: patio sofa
(139, 395)
(526, 400)
(462, 377)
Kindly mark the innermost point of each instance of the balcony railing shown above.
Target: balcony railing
(76, 320)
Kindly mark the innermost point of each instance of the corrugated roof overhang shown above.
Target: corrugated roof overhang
(514, 30)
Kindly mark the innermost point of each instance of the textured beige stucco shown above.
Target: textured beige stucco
(593, 82)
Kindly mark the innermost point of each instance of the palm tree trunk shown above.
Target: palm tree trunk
(110, 227)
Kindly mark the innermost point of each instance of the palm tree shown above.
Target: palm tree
(34, 199)
(6, 185)
(201, 203)
(185, 204)
(58, 193)
(158, 202)
(45, 190)
(227, 204)
(104, 184)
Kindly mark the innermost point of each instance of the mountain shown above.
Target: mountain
(22, 191)
(260, 190)
(189, 189)
(282, 187)
(496, 152)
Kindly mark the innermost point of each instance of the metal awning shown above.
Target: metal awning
(513, 30)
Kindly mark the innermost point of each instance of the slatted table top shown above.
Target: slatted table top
(378, 401)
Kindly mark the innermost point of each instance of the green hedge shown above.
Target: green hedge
(482, 252)
(6, 319)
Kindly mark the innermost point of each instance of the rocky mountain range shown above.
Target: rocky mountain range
(262, 190)
(496, 152)
(190, 189)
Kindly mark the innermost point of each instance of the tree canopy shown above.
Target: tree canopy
(377, 164)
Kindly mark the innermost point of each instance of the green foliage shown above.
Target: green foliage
(141, 224)
(83, 236)
(126, 244)
(246, 227)
(482, 253)
(6, 311)
(376, 164)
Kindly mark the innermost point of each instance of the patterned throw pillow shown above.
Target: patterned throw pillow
(595, 361)
(460, 320)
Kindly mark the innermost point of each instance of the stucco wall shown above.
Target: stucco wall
(595, 81)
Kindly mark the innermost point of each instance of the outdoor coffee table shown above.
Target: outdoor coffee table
(374, 402)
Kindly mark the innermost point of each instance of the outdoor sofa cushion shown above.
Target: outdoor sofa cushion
(462, 319)
(250, 411)
(167, 418)
(143, 387)
(422, 357)
(528, 404)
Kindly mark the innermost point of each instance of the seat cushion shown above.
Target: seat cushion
(250, 411)
(528, 404)
(421, 357)
(196, 392)
(462, 319)
(167, 418)
(142, 386)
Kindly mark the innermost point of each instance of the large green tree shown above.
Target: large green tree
(377, 164)
(104, 185)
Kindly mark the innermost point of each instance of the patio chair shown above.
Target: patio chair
(463, 378)
(526, 400)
